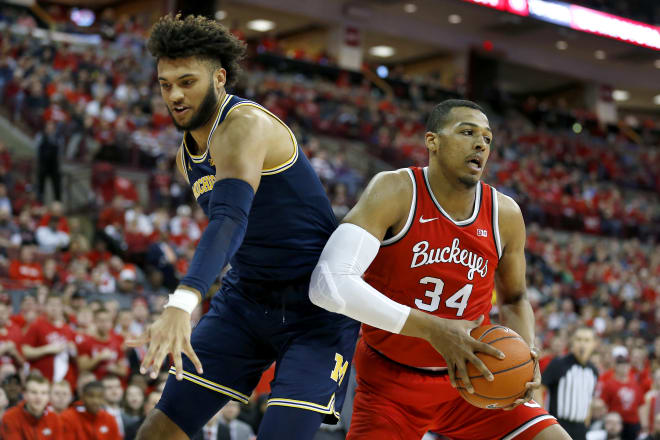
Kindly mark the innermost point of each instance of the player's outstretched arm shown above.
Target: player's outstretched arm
(337, 283)
(238, 149)
(515, 310)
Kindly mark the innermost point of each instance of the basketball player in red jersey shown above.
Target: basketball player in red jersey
(435, 241)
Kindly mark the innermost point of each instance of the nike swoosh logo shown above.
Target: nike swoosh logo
(426, 220)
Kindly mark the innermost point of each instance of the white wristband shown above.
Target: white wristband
(183, 299)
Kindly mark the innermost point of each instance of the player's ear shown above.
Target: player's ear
(219, 78)
(432, 141)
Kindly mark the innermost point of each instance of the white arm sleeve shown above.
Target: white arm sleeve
(337, 283)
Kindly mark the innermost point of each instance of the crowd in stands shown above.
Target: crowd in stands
(70, 298)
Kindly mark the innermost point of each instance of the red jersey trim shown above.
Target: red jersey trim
(496, 220)
(475, 210)
(411, 214)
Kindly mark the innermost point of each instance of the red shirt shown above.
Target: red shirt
(43, 332)
(92, 346)
(437, 265)
(82, 425)
(25, 271)
(623, 397)
(19, 424)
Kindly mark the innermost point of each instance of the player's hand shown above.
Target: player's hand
(530, 386)
(451, 338)
(169, 334)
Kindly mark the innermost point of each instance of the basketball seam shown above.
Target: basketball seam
(504, 337)
(503, 371)
(490, 330)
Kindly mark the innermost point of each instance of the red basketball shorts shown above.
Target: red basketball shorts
(396, 402)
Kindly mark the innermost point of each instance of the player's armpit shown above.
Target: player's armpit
(384, 204)
(240, 144)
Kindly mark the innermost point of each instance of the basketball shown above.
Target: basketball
(511, 373)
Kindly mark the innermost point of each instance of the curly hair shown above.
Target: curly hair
(198, 36)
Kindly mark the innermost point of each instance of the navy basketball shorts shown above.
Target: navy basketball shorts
(250, 326)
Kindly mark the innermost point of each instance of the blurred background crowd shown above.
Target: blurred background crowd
(77, 280)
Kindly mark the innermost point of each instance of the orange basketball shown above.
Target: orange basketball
(511, 373)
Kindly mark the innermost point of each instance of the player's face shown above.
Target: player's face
(462, 145)
(36, 397)
(583, 344)
(190, 90)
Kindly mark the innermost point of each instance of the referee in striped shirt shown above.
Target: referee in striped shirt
(570, 382)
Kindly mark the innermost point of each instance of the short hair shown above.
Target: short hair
(584, 327)
(438, 117)
(62, 383)
(93, 385)
(110, 376)
(197, 36)
(36, 377)
(101, 310)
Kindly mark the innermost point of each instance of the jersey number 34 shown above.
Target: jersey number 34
(458, 300)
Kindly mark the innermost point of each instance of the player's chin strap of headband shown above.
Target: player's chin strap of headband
(229, 206)
(337, 283)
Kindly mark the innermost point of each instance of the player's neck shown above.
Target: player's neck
(454, 197)
(201, 134)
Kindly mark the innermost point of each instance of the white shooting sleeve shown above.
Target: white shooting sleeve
(337, 283)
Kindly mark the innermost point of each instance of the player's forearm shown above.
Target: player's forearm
(229, 206)
(518, 315)
(537, 395)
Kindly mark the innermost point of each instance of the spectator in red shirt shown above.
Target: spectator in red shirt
(623, 395)
(32, 419)
(27, 314)
(10, 338)
(25, 269)
(87, 419)
(101, 352)
(48, 343)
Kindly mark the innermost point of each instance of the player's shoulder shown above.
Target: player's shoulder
(508, 208)
(247, 114)
(396, 182)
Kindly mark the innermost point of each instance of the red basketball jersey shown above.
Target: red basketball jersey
(437, 265)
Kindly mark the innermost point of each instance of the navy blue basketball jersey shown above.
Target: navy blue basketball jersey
(290, 219)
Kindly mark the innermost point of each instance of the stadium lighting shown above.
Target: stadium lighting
(561, 45)
(656, 99)
(260, 25)
(455, 19)
(382, 51)
(410, 8)
(600, 54)
(382, 71)
(620, 95)
(220, 15)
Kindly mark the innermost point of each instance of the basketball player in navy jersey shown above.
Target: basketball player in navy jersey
(269, 218)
